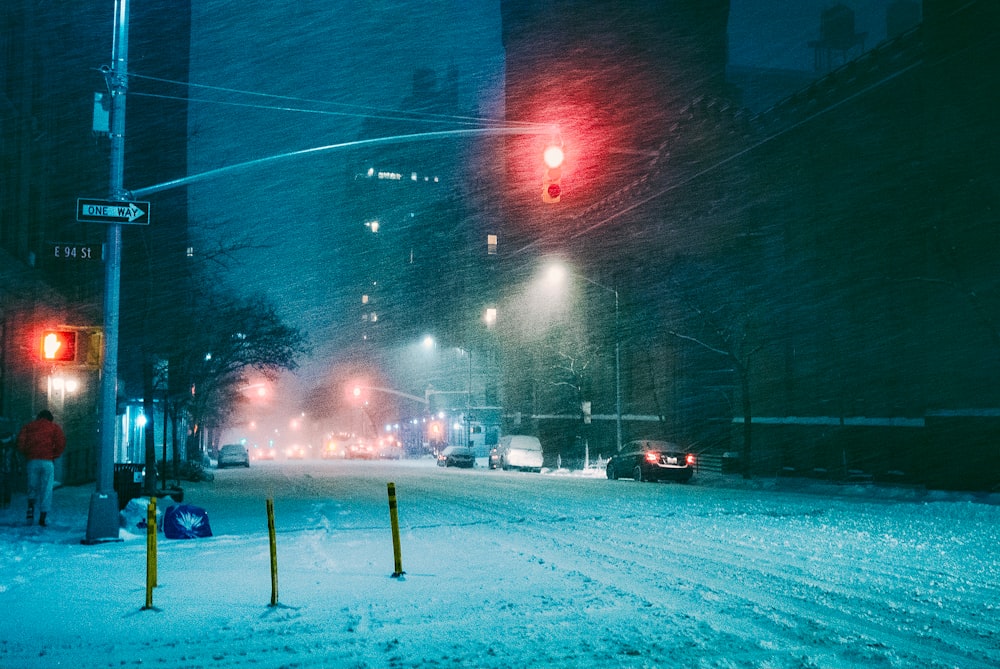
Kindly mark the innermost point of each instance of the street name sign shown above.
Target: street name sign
(112, 211)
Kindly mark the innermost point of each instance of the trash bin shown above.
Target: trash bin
(129, 480)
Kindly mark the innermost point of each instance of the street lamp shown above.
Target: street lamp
(556, 272)
(430, 343)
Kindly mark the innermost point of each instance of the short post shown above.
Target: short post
(274, 552)
(150, 552)
(394, 520)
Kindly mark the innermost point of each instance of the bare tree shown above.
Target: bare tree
(729, 330)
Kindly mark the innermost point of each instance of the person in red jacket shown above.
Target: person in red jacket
(41, 441)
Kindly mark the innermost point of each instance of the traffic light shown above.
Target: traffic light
(58, 346)
(551, 182)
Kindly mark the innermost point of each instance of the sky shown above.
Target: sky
(776, 33)
(510, 569)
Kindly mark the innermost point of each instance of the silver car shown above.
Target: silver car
(518, 451)
(233, 455)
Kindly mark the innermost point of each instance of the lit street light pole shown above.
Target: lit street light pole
(618, 366)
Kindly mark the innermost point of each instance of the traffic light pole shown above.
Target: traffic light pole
(102, 522)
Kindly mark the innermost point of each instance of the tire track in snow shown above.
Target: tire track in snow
(771, 595)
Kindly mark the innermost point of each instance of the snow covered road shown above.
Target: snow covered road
(516, 570)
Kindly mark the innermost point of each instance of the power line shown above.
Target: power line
(363, 110)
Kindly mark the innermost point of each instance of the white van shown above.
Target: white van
(518, 451)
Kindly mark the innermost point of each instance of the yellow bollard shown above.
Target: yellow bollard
(156, 545)
(150, 552)
(274, 552)
(394, 519)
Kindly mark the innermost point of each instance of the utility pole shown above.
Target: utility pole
(102, 522)
(618, 377)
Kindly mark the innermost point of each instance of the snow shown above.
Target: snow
(506, 569)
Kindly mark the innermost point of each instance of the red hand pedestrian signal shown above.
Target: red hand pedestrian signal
(58, 346)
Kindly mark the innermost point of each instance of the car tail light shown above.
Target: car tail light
(652, 457)
(690, 459)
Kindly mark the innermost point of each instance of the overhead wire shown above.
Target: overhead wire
(363, 111)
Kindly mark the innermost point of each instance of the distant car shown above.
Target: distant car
(262, 453)
(361, 449)
(456, 456)
(296, 452)
(332, 450)
(495, 457)
(518, 451)
(649, 460)
(233, 455)
(390, 450)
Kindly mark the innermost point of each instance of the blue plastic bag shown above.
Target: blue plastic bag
(184, 521)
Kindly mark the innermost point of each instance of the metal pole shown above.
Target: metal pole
(618, 362)
(468, 406)
(102, 523)
(618, 380)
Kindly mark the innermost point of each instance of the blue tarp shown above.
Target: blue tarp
(184, 521)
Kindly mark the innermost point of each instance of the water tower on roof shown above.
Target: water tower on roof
(838, 41)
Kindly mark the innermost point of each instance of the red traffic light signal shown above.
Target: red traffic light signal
(553, 156)
(58, 346)
(551, 182)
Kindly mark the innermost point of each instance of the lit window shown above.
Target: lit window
(364, 299)
(491, 245)
(190, 252)
(413, 176)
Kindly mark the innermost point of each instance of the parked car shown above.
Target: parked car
(456, 456)
(233, 455)
(519, 451)
(648, 460)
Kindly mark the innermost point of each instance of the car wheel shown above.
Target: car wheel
(612, 474)
(637, 474)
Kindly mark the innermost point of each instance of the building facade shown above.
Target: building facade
(810, 285)
(55, 147)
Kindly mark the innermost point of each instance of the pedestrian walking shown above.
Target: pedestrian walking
(42, 442)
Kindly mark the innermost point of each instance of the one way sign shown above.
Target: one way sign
(112, 211)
